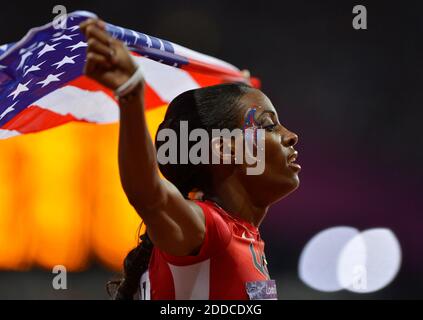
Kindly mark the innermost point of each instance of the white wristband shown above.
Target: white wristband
(132, 82)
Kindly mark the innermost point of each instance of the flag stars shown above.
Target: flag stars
(80, 44)
(23, 59)
(32, 47)
(50, 78)
(161, 45)
(65, 37)
(149, 42)
(19, 89)
(47, 48)
(73, 28)
(33, 68)
(65, 60)
(8, 110)
(135, 35)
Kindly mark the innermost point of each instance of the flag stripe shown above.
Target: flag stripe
(35, 118)
(92, 106)
(166, 81)
(4, 134)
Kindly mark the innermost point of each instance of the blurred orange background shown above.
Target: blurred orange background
(61, 200)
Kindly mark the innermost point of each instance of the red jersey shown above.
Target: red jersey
(231, 264)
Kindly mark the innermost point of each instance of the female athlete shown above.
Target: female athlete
(206, 247)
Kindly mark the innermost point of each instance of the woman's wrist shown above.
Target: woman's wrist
(136, 91)
(131, 83)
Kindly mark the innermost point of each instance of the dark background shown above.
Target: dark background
(353, 96)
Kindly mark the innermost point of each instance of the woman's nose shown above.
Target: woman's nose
(289, 138)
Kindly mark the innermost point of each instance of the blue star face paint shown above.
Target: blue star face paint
(250, 118)
(250, 125)
(254, 141)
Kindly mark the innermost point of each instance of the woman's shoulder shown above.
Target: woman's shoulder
(212, 211)
(218, 222)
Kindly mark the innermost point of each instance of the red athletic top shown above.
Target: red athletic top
(230, 262)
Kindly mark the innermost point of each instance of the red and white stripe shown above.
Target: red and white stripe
(85, 100)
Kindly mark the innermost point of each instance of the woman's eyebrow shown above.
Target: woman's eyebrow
(266, 112)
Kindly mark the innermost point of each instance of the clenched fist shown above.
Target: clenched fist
(108, 60)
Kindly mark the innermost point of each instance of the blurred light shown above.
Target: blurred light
(61, 200)
(319, 259)
(342, 258)
(370, 261)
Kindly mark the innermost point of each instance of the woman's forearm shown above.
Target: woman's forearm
(137, 155)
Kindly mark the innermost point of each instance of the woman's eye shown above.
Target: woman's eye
(269, 127)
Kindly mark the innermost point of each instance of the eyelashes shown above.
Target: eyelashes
(270, 127)
(268, 123)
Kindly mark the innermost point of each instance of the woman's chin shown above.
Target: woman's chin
(294, 183)
(288, 185)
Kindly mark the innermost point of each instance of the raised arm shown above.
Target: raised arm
(174, 224)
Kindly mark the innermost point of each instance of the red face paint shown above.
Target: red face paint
(251, 124)
(254, 136)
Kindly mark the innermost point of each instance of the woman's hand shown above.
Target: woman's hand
(108, 60)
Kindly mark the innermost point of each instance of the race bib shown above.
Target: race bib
(262, 290)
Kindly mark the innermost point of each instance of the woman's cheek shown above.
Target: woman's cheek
(274, 152)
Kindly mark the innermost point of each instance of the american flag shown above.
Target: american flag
(42, 83)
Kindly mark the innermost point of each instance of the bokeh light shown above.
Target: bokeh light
(318, 260)
(370, 261)
(344, 258)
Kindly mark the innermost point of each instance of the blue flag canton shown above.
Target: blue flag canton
(43, 61)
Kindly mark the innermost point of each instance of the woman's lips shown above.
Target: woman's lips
(291, 161)
(294, 166)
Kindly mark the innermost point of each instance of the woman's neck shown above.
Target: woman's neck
(233, 197)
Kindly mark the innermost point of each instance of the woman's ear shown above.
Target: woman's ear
(223, 150)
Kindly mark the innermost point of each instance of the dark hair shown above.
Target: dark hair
(214, 107)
